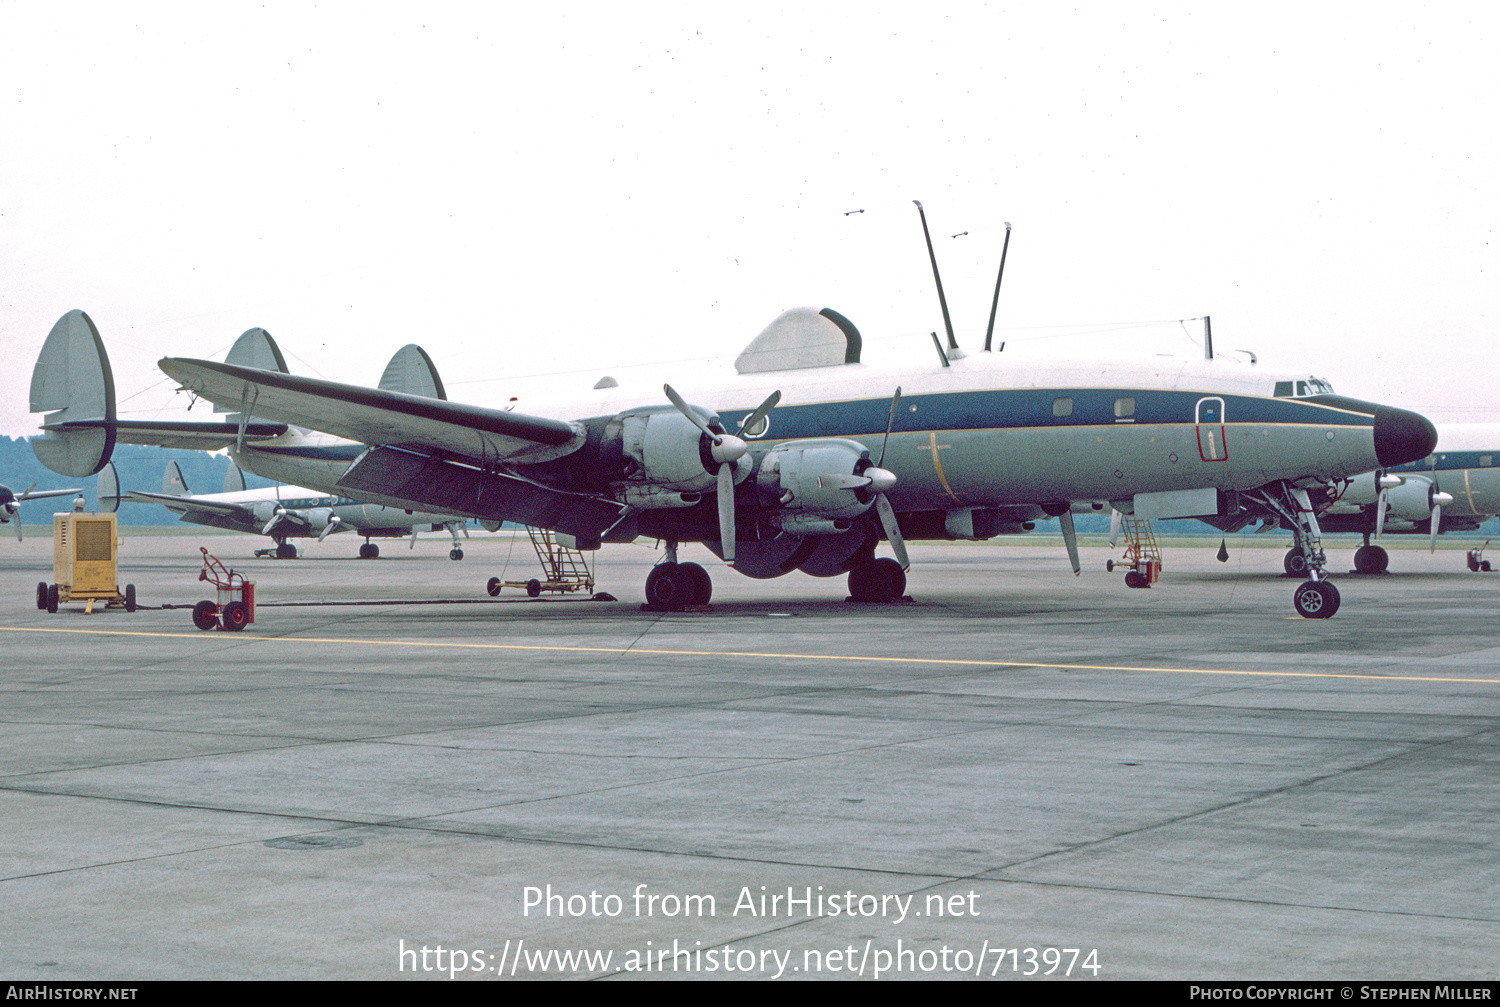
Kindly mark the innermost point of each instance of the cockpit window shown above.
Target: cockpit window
(1302, 389)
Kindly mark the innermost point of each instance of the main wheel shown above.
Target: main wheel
(1316, 599)
(1371, 559)
(41, 593)
(130, 597)
(492, 587)
(285, 550)
(369, 551)
(236, 616)
(1294, 563)
(206, 615)
(455, 554)
(892, 577)
(703, 584)
(52, 599)
(668, 588)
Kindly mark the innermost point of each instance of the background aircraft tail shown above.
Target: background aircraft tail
(412, 371)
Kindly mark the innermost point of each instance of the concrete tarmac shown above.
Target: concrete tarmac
(1018, 771)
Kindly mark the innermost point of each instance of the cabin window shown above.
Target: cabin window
(1485, 461)
(1124, 407)
(1283, 390)
(759, 430)
(1062, 406)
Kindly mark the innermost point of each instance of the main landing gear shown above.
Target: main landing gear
(879, 580)
(1316, 598)
(369, 550)
(673, 586)
(1371, 558)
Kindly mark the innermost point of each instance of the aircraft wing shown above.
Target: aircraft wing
(185, 502)
(378, 417)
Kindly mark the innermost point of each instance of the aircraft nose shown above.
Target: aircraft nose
(1402, 436)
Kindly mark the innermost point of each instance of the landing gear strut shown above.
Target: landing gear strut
(1317, 598)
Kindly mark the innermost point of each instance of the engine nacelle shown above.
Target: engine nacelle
(805, 483)
(670, 453)
(1412, 500)
(1364, 490)
(318, 517)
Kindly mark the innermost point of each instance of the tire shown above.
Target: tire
(52, 599)
(1371, 559)
(1316, 599)
(864, 583)
(41, 595)
(206, 615)
(533, 588)
(130, 597)
(892, 578)
(236, 616)
(703, 584)
(1134, 578)
(369, 551)
(1109, 566)
(1294, 563)
(455, 554)
(668, 589)
(285, 550)
(492, 587)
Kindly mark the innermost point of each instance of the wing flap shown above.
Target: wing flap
(412, 481)
(376, 416)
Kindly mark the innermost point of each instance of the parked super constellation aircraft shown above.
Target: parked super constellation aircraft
(281, 512)
(1455, 488)
(826, 452)
(10, 503)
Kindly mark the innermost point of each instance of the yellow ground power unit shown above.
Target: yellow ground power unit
(84, 565)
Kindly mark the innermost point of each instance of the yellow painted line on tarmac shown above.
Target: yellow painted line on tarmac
(765, 655)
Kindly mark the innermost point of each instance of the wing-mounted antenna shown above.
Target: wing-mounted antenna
(72, 383)
(989, 333)
(412, 371)
(953, 351)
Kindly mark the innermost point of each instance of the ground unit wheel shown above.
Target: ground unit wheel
(130, 597)
(703, 584)
(41, 595)
(1109, 566)
(455, 554)
(668, 588)
(236, 616)
(1294, 563)
(206, 615)
(1134, 578)
(52, 599)
(492, 587)
(1316, 599)
(533, 588)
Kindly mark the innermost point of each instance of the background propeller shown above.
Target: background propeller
(882, 480)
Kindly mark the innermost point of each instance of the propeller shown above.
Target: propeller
(1386, 482)
(1115, 520)
(725, 450)
(881, 481)
(332, 526)
(1439, 499)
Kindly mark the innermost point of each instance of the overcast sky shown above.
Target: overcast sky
(538, 192)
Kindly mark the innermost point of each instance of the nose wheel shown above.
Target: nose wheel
(1316, 599)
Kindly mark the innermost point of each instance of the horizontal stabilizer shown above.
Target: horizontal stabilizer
(375, 416)
(73, 385)
(418, 482)
(190, 435)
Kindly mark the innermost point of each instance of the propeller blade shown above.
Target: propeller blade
(1070, 539)
(1115, 519)
(15, 512)
(333, 523)
(726, 512)
(890, 421)
(413, 543)
(761, 412)
(694, 418)
(1437, 522)
(1380, 506)
(892, 530)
